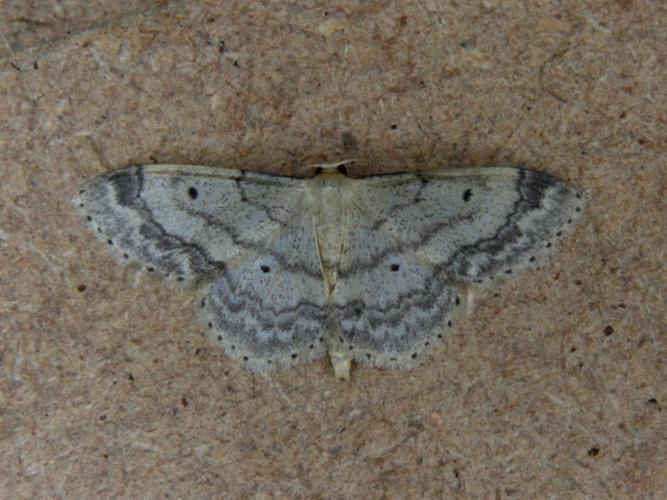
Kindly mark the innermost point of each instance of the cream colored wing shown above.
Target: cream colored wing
(473, 224)
(268, 310)
(186, 222)
(414, 240)
(249, 234)
(391, 305)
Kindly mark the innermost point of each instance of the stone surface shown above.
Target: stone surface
(555, 386)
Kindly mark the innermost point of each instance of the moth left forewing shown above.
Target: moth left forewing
(185, 222)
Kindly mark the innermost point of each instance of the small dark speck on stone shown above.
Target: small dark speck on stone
(81, 288)
(393, 126)
(192, 193)
(608, 330)
(593, 451)
(652, 402)
(350, 142)
(184, 402)
(395, 267)
(130, 377)
(467, 194)
(265, 269)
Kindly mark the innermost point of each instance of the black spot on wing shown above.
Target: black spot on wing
(127, 185)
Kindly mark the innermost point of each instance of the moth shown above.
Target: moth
(371, 269)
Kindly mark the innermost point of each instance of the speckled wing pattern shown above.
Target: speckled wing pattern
(473, 224)
(415, 240)
(239, 230)
(411, 243)
(390, 303)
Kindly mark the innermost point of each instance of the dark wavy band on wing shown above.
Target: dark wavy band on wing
(114, 204)
(515, 241)
(258, 330)
(403, 327)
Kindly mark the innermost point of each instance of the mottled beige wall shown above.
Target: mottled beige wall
(554, 385)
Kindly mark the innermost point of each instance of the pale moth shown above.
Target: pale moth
(371, 269)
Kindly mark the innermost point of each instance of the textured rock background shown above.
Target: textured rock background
(554, 385)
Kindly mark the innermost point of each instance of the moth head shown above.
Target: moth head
(334, 168)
